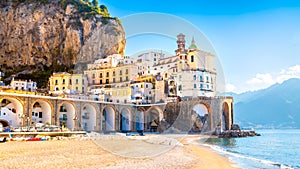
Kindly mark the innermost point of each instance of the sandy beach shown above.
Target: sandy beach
(110, 152)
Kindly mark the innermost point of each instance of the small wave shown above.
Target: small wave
(234, 154)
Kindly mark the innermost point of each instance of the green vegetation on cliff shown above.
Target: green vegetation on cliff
(41, 77)
(86, 8)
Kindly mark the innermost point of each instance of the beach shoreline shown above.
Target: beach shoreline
(110, 153)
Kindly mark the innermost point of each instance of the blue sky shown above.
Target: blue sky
(257, 42)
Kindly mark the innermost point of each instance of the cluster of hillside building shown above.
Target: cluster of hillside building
(150, 78)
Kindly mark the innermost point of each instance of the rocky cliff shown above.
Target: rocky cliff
(41, 33)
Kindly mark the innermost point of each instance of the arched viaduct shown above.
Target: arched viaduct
(201, 115)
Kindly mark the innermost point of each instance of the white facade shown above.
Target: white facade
(7, 114)
(141, 92)
(196, 83)
(109, 61)
(23, 85)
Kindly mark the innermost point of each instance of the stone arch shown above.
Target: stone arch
(225, 123)
(66, 114)
(152, 118)
(89, 117)
(12, 111)
(109, 118)
(205, 104)
(126, 119)
(200, 117)
(139, 121)
(41, 112)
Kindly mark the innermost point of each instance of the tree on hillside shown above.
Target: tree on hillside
(95, 3)
(104, 10)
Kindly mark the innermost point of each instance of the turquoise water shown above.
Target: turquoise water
(273, 149)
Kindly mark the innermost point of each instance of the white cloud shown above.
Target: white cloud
(230, 88)
(261, 79)
(291, 72)
(264, 80)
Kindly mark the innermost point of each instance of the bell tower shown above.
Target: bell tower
(180, 43)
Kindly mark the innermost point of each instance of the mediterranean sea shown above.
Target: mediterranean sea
(276, 148)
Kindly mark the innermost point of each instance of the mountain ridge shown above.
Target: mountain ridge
(277, 106)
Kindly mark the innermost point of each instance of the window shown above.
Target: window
(166, 75)
(194, 77)
(120, 79)
(107, 74)
(126, 71)
(192, 58)
(179, 87)
(120, 72)
(207, 86)
(82, 81)
(107, 81)
(56, 82)
(185, 57)
(201, 86)
(127, 78)
(76, 88)
(114, 80)
(82, 89)
(201, 79)
(76, 81)
(93, 82)
(195, 86)
(101, 81)
(40, 115)
(207, 78)
(180, 57)
(63, 88)
(114, 73)
(93, 75)
(70, 81)
(146, 85)
(64, 81)
(100, 75)
(154, 59)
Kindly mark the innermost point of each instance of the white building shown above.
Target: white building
(141, 92)
(23, 85)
